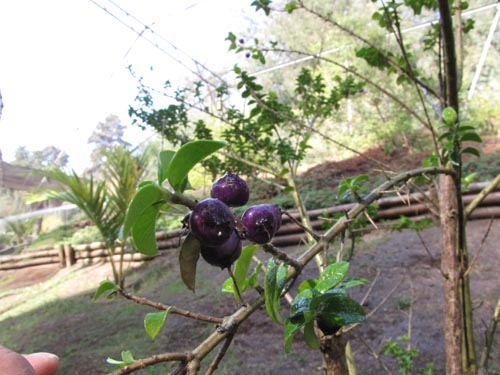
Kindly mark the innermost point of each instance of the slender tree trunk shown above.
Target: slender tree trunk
(449, 267)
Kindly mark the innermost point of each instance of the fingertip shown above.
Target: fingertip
(43, 363)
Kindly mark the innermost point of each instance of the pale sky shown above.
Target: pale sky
(63, 63)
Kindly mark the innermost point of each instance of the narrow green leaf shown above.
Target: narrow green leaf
(154, 322)
(471, 137)
(291, 328)
(116, 362)
(310, 336)
(187, 157)
(270, 290)
(143, 199)
(472, 151)
(332, 276)
(252, 280)
(104, 287)
(188, 259)
(164, 158)
(243, 264)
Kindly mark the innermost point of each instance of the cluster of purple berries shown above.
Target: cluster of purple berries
(220, 232)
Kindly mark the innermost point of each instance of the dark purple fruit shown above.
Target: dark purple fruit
(231, 189)
(261, 222)
(212, 222)
(223, 255)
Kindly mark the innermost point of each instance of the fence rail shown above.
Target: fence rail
(391, 208)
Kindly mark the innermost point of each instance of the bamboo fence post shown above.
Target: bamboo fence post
(69, 253)
(62, 257)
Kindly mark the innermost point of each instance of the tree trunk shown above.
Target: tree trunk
(449, 267)
(333, 351)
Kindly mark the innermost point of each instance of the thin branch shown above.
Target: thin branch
(277, 253)
(155, 359)
(173, 309)
(314, 235)
(481, 246)
(481, 196)
(222, 352)
(376, 356)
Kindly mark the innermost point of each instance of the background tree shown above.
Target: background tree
(47, 157)
(107, 134)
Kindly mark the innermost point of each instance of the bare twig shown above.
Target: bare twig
(303, 227)
(277, 253)
(158, 358)
(376, 356)
(481, 246)
(222, 352)
(173, 309)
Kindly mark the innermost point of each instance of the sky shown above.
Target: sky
(63, 63)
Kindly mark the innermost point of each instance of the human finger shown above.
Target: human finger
(12, 363)
(43, 363)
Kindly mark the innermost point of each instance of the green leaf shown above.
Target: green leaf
(127, 359)
(187, 157)
(153, 322)
(472, 151)
(164, 158)
(471, 137)
(307, 284)
(332, 276)
(144, 231)
(291, 328)
(149, 195)
(188, 259)
(341, 310)
(242, 265)
(274, 282)
(310, 336)
(104, 287)
(252, 280)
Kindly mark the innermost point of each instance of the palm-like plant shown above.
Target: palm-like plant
(104, 200)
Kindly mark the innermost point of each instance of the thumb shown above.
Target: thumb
(43, 363)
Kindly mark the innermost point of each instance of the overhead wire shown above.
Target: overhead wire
(142, 34)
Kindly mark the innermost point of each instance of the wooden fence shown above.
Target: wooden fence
(390, 209)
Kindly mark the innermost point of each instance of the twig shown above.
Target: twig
(277, 253)
(302, 226)
(370, 288)
(386, 298)
(222, 352)
(490, 334)
(158, 358)
(422, 241)
(481, 246)
(173, 309)
(376, 356)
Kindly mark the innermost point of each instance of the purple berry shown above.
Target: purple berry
(212, 222)
(261, 222)
(230, 189)
(223, 255)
